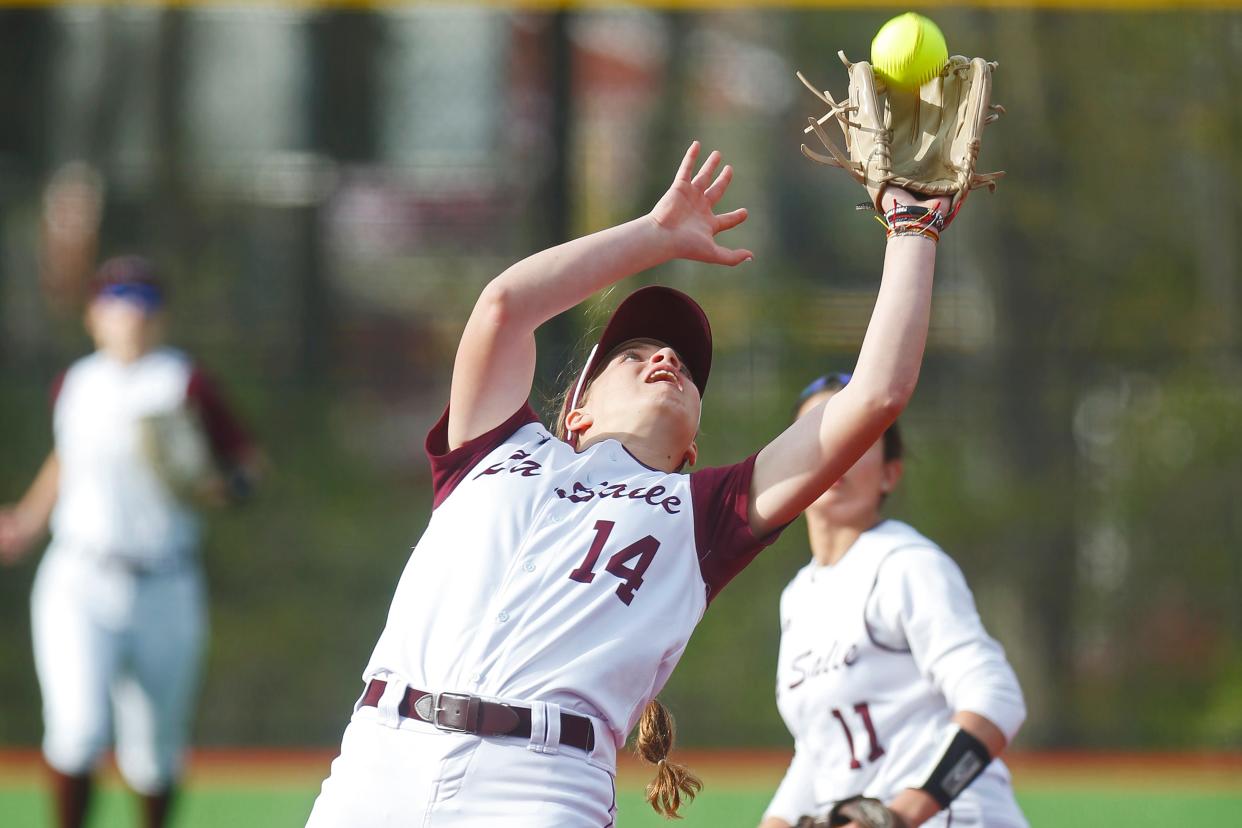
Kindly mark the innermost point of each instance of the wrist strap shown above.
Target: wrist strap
(912, 220)
(963, 759)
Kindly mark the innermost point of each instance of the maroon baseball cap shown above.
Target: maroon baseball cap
(656, 312)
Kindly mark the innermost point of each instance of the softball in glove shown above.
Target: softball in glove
(925, 140)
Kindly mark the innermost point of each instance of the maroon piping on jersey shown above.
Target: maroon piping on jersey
(612, 809)
(640, 462)
(876, 580)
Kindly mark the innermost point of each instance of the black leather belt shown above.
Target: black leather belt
(463, 713)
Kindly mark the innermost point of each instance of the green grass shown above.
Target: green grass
(199, 807)
(1133, 808)
(286, 806)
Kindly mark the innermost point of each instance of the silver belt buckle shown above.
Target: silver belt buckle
(437, 708)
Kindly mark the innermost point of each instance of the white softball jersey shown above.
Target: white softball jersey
(877, 653)
(111, 502)
(573, 578)
(555, 579)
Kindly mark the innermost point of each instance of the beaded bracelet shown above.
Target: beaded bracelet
(913, 230)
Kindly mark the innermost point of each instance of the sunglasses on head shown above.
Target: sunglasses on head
(147, 296)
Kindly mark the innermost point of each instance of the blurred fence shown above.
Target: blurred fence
(327, 191)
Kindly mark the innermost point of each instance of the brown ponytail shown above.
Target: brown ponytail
(656, 732)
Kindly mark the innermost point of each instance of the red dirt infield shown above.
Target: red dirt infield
(266, 766)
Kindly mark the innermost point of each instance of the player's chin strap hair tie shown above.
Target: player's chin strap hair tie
(962, 759)
(912, 220)
(571, 437)
(573, 401)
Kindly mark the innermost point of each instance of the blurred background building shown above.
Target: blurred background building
(327, 191)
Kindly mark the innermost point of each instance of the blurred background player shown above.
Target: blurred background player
(118, 611)
(886, 678)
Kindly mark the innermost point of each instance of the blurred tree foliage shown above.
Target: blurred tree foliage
(1076, 435)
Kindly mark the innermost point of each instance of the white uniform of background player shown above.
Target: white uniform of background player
(880, 647)
(118, 612)
(558, 581)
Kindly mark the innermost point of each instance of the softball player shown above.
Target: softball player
(117, 608)
(886, 677)
(562, 572)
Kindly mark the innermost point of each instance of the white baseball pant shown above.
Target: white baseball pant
(407, 773)
(107, 633)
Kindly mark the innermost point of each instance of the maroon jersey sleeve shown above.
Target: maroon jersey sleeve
(448, 468)
(722, 533)
(228, 438)
(53, 392)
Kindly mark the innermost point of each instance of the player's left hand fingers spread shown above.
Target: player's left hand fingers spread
(731, 219)
(687, 162)
(719, 186)
(708, 170)
(725, 256)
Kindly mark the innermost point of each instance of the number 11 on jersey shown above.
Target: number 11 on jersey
(864, 713)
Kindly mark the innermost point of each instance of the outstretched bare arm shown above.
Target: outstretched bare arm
(23, 524)
(804, 460)
(495, 362)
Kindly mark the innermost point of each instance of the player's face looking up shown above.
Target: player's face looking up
(122, 328)
(855, 499)
(643, 390)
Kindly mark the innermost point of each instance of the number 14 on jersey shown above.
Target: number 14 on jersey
(641, 551)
